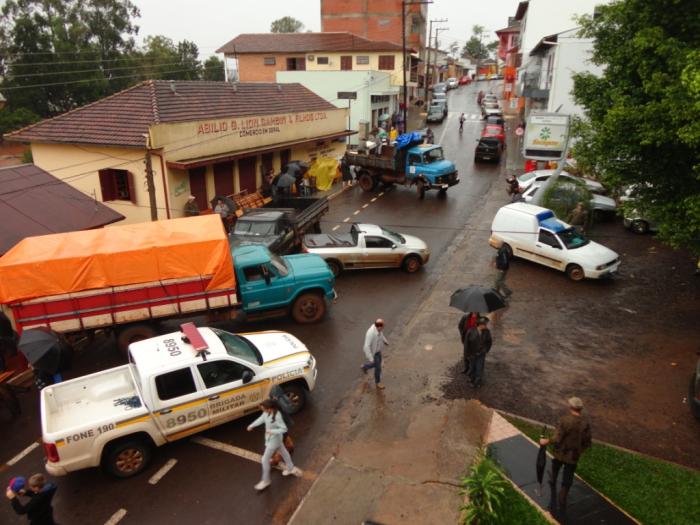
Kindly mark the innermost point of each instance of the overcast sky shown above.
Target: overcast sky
(212, 23)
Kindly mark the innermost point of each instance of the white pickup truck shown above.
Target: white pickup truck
(175, 385)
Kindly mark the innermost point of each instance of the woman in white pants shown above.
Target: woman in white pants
(274, 442)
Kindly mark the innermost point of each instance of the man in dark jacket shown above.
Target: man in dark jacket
(502, 263)
(477, 343)
(38, 509)
(571, 438)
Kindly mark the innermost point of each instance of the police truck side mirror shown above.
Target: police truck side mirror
(247, 376)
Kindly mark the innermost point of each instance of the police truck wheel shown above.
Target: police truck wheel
(131, 334)
(127, 459)
(296, 395)
(309, 308)
(411, 264)
(509, 251)
(575, 272)
(366, 181)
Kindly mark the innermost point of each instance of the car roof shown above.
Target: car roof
(369, 229)
(151, 355)
(529, 209)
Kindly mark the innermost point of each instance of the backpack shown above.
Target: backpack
(277, 393)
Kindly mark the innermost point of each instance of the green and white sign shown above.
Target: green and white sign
(546, 136)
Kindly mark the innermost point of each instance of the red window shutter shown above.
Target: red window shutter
(106, 185)
(130, 182)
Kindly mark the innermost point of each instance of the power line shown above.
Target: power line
(104, 70)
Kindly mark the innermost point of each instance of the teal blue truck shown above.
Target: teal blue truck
(409, 163)
(271, 285)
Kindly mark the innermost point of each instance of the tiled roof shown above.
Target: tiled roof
(122, 119)
(303, 43)
(34, 202)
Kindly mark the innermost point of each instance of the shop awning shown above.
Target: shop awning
(224, 157)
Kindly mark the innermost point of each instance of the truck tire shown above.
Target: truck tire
(296, 395)
(128, 458)
(335, 266)
(640, 227)
(575, 272)
(509, 251)
(411, 264)
(133, 333)
(309, 307)
(421, 189)
(366, 181)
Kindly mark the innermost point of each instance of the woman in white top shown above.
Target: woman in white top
(275, 429)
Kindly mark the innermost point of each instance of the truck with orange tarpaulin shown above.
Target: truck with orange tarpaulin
(128, 278)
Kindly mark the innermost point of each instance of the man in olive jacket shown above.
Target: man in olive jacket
(477, 343)
(571, 438)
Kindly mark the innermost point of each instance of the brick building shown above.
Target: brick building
(381, 20)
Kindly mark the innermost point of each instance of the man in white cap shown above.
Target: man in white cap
(571, 438)
(191, 208)
(374, 342)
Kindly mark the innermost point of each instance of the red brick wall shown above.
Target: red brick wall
(251, 68)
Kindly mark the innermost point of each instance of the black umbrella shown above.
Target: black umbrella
(286, 180)
(541, 462)
(227, 201)
(45, 350)
(477, 299)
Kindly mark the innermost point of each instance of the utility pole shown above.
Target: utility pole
(150, 186)
(437, 32)
(404, 3)
(428, 71)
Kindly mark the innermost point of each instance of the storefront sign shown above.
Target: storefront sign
(546, 136)
(250, 127)
(347, 95)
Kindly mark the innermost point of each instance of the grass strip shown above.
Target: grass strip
(653, 491)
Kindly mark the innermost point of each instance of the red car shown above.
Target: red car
(495, 131)
(465, 80)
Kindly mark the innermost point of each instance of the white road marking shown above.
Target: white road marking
(373, 199)
(336, 227)
(229, 449)
(356, 212)
(444, 128)
(19, 456)
(155, 478)
(346, 219)
(364, 206)
(380, 194)
(116, 517)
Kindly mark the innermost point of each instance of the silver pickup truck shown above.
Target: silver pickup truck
(368, 246)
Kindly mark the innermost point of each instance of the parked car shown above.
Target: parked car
(436, 113)
(637, 223)
(440, 95)
(368, 246)
(496, 119)
(694, 392)
(538, 176)
(465, 80)
(489, 97)
(600, 204)
(452, 83)
(492, 130)
(488, 148)
(490, 108)
(534, 233)
(439, 88)
(481, 77)
(442, 104)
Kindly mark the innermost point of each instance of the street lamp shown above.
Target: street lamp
(404, 3)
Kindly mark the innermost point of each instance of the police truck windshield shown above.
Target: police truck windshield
(237, 346)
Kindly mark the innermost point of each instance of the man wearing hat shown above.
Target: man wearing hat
(477, 343)
(571, 438)
(191, 208)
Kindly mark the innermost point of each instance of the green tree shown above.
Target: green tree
(213, 68)
(163, 59)
(286, 24)
(58, 54)
(642, 126)
(475, 46)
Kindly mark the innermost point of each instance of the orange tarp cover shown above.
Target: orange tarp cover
(115, 256)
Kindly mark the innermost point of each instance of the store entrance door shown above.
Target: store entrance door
(198, 186)
(246, 174)
(223, 178)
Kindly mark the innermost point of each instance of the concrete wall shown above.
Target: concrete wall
(253, 69)
(326, 84)
(572, 55)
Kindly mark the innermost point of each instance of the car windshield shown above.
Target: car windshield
(572, 239)
(279, 264)
(527, 176)
(254, 228)
(394, 236)
(237, 346)
(433, 156)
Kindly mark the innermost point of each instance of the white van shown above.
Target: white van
(534, 233)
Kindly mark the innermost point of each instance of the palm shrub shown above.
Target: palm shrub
(485, 489)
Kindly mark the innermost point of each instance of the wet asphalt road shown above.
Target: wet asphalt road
(209, 486)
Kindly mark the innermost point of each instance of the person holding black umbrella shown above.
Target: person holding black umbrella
(571, 439)
(477, 344)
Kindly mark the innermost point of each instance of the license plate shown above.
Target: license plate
(445, 186)
(486, 157)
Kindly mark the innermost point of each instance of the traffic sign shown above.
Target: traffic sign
(519, 131)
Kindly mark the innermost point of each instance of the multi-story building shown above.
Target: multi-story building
(508, 47)
(382, 20)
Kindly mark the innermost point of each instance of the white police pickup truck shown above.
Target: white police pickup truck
(175, 385)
